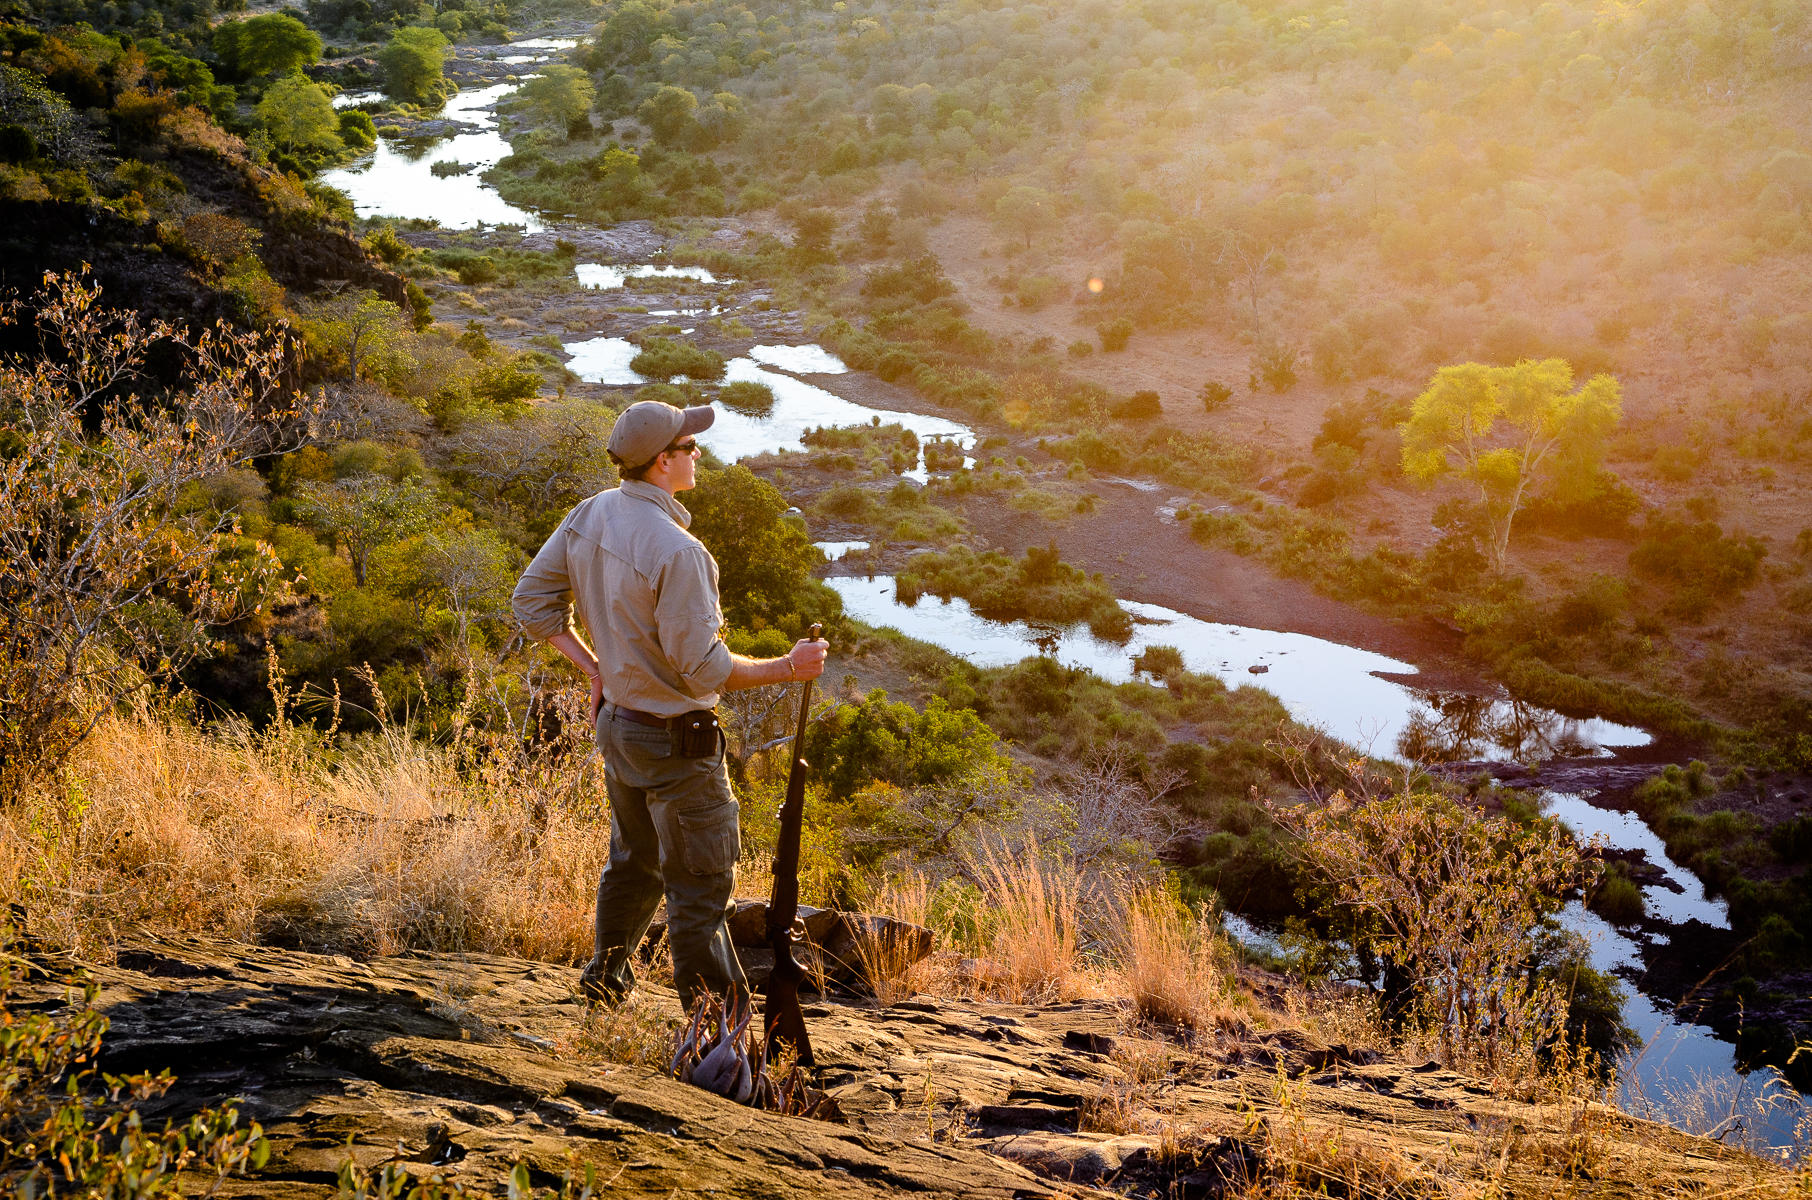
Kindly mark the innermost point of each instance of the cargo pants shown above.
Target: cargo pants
(673, 829)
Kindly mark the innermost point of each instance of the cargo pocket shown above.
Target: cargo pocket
(710, 842)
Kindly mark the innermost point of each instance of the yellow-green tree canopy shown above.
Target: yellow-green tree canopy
(413, 62)
(1506, 428)
(559, 95)
(298, 115)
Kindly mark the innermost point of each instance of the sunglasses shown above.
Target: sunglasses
(690, 446)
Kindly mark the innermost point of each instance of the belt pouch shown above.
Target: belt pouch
(695, 733)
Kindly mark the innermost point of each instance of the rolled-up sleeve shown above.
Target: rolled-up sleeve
(543, 599)
(688, 617)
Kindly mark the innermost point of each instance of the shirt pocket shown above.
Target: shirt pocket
(710, 842)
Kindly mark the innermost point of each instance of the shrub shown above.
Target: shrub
(1115, 334)
(1214, 395)
(663, 358)
(748, 396)
(1081, 349)
(1617, 898)
(1276, 365)
(1140, 406)
(1456, 902)
(74, 1130)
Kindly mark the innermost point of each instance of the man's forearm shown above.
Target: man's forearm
(756, 672)
(576, 651)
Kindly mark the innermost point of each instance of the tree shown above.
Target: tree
(765, 563)
(813, 230)
(298, 115)
(559, 96)
(1452, 904)
(272, 44)
(361, 327)
(670, 115)
(364, 512)
(110, 576)
(413, 60)
(1506, 429)
(1026, 211)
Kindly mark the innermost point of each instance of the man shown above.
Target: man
(646, 594)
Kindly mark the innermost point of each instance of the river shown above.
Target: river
(1356, 695)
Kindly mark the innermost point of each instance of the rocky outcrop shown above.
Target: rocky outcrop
(466, 1064)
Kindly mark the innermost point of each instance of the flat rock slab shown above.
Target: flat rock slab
(465, 1065)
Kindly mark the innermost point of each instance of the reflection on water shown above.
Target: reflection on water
(354, 99)
(1679, 1063)
(604, 360)
(836, 550)
(398, 180)
(1625, 831)
(1321, 683)
(801, 360)
(603, 275)
(1456, 727)
(799, 406)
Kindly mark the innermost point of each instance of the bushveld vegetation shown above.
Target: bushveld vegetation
(315, 616)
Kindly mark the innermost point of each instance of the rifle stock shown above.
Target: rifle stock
(782, 1019)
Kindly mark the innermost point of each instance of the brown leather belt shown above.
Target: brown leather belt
(640, 717)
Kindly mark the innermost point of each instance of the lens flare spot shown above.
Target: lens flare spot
(1095, 286)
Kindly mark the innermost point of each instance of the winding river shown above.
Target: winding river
(1360, 697)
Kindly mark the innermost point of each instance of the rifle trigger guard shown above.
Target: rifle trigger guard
(796, 932)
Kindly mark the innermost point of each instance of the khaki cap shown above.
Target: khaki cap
(646, 428)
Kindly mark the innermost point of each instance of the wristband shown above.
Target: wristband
(792, 671)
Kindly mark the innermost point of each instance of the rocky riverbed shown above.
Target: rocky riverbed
(464, 1065)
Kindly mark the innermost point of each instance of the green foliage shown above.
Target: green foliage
(1040, 587)
(413, 61)
(299, 116)
(671, 115)
(1508, 429)
(764, 563)
(1026, 211)
(1115, 334)
(750, 397)
(1140, 406)
(663, 358)
(365, 511)
(878, 739)
(1276, 366)
(1706, 566)
(558, 95)
(270, 44)
(71, 1129)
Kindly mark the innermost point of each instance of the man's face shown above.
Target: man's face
(677, 470)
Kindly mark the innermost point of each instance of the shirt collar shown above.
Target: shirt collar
(641, 489)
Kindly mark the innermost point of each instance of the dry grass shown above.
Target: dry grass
(639, 1032)
(1032, 906)
(1171, 963)
(382, 846)
(889, 965)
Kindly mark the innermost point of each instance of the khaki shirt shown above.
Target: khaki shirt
(645, 591)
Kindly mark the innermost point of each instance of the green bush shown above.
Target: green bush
(663, 358)
(1617, 898)
(1140, 406)
(1115, 334)
(72, 1129)
(750, 397)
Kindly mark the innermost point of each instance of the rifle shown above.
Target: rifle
(782, 1019)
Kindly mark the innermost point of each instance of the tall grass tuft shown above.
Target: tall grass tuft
(1032, 939)
(1169, 964)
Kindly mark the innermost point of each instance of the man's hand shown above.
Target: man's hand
(806, 658)
(597, 696)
